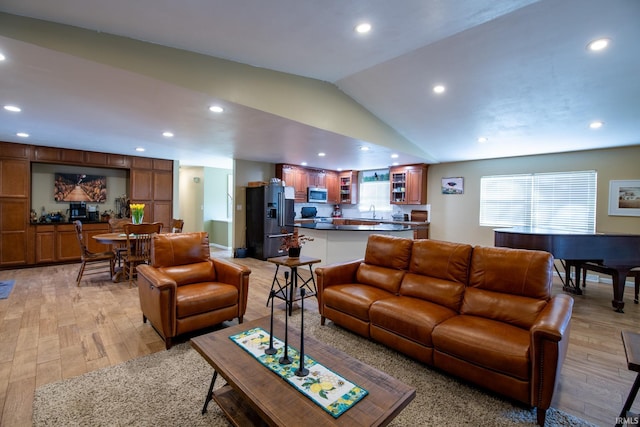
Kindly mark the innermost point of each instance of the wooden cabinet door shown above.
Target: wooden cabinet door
(90, 230)
(141, 185)
(13, 231)
(45, 247)
(162, 185)
(333, 188)
(416, 190)
(162, 213)
(67, 247)
(300, 184)
(15, 178)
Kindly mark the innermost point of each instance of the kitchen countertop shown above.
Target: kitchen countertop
(372, 227)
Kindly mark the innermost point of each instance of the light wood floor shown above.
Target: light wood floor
(50, 330)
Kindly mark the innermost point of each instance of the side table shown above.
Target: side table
(631, 343)
(289, 291)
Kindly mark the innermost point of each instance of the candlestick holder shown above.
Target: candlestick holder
(284, 360)
(271, 349)
(302, 371)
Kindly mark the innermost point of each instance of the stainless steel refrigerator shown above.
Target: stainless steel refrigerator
(270, 217)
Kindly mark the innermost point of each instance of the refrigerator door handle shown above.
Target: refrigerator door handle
(281, 210)
(273, 236)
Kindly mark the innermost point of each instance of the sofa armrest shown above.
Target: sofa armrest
(335, 274)
(549, 343)
(236, 275)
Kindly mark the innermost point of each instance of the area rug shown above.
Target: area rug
(5, 288)
(168, 389)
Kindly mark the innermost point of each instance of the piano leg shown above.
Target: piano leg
(568, 284)
(619, 277)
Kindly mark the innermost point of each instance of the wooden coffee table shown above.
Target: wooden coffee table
(254, 395)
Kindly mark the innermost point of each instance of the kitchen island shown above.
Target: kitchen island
(334, 243)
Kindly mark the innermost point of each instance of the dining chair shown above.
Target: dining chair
(176, 225)
(138, 246)
(92, 262)
(116, 225)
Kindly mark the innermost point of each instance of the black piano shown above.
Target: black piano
(617, 252)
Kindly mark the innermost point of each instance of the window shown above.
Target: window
(563, 200)
(374, 190)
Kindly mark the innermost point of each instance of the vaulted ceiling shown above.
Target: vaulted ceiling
(294, 78)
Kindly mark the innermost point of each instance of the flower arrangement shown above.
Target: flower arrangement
(293, 240)
(137, 212)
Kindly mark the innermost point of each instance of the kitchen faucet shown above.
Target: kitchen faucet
(373, 207)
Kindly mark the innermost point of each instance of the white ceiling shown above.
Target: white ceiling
(516, 72)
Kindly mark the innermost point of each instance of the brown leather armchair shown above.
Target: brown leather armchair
(184, 289)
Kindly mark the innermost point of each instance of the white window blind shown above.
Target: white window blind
(374, 190)
(564, 200)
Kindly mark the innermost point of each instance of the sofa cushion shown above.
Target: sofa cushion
(443, 260)
(203, 297)
(410, 318)
(353, 299)
(191, 273)
(380, 277)
(509, 285)
(496, 346)
(388, 251)
(443, 292)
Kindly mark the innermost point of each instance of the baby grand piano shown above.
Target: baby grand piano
(618, 252)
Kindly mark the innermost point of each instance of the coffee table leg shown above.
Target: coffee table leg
(210, 392)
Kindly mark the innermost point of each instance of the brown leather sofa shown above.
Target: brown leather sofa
(184, 289)
(483, 314)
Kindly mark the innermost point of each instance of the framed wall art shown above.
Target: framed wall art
(624, 198)
(454, 185)
(71, 187)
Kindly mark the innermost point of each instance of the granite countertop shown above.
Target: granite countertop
(372, 227)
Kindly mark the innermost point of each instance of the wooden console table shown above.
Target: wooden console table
(631, 343)
(256, 396)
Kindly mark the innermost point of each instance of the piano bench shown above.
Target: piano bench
(600, 268)
(631, 343)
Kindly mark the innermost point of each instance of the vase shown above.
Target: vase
(294, 252)
(137, 217)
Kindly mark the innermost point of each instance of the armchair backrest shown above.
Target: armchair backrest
(173, 249)
(386, 260)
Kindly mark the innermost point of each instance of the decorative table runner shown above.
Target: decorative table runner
(324, 387)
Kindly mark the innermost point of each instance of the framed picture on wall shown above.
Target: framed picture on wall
(78, 187)
(453, 185)
(624, 198)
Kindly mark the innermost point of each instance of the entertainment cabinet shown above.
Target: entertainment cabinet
(23, 243)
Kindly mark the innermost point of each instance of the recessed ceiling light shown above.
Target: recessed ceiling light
(439, 88)
(483, 139)
(167, 134)
(339, 169)
(140, 149)
(596, 125)
(304, 163)
(216, 109)
(2, 57)
(363, 28)
(22, 134)
(321, 154)
(364, 148)
(598, 44)
(12, 108)
(394, 156)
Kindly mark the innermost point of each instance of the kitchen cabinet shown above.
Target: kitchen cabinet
(57, 243)
(295, 177)
(333, 188)
(316, 178)
(408, 184)
(152, 184)
(348, 182)
(14, 204)
(45, 244)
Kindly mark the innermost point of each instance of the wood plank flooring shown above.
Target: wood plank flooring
(50, 330)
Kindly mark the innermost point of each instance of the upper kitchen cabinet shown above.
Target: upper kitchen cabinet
(333, 187)
(348, 184)
(152, 184)
(316, 178)
(295, 177)
(408, 184)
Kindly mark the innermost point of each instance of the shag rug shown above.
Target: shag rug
(168, 389)
(5, 288)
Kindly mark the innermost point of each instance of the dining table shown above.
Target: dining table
(114, 240)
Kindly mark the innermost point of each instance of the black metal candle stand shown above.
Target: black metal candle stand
(302, 371)
(271, 349)
(284, 360)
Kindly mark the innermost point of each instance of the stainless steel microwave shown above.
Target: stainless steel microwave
(317, 195)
